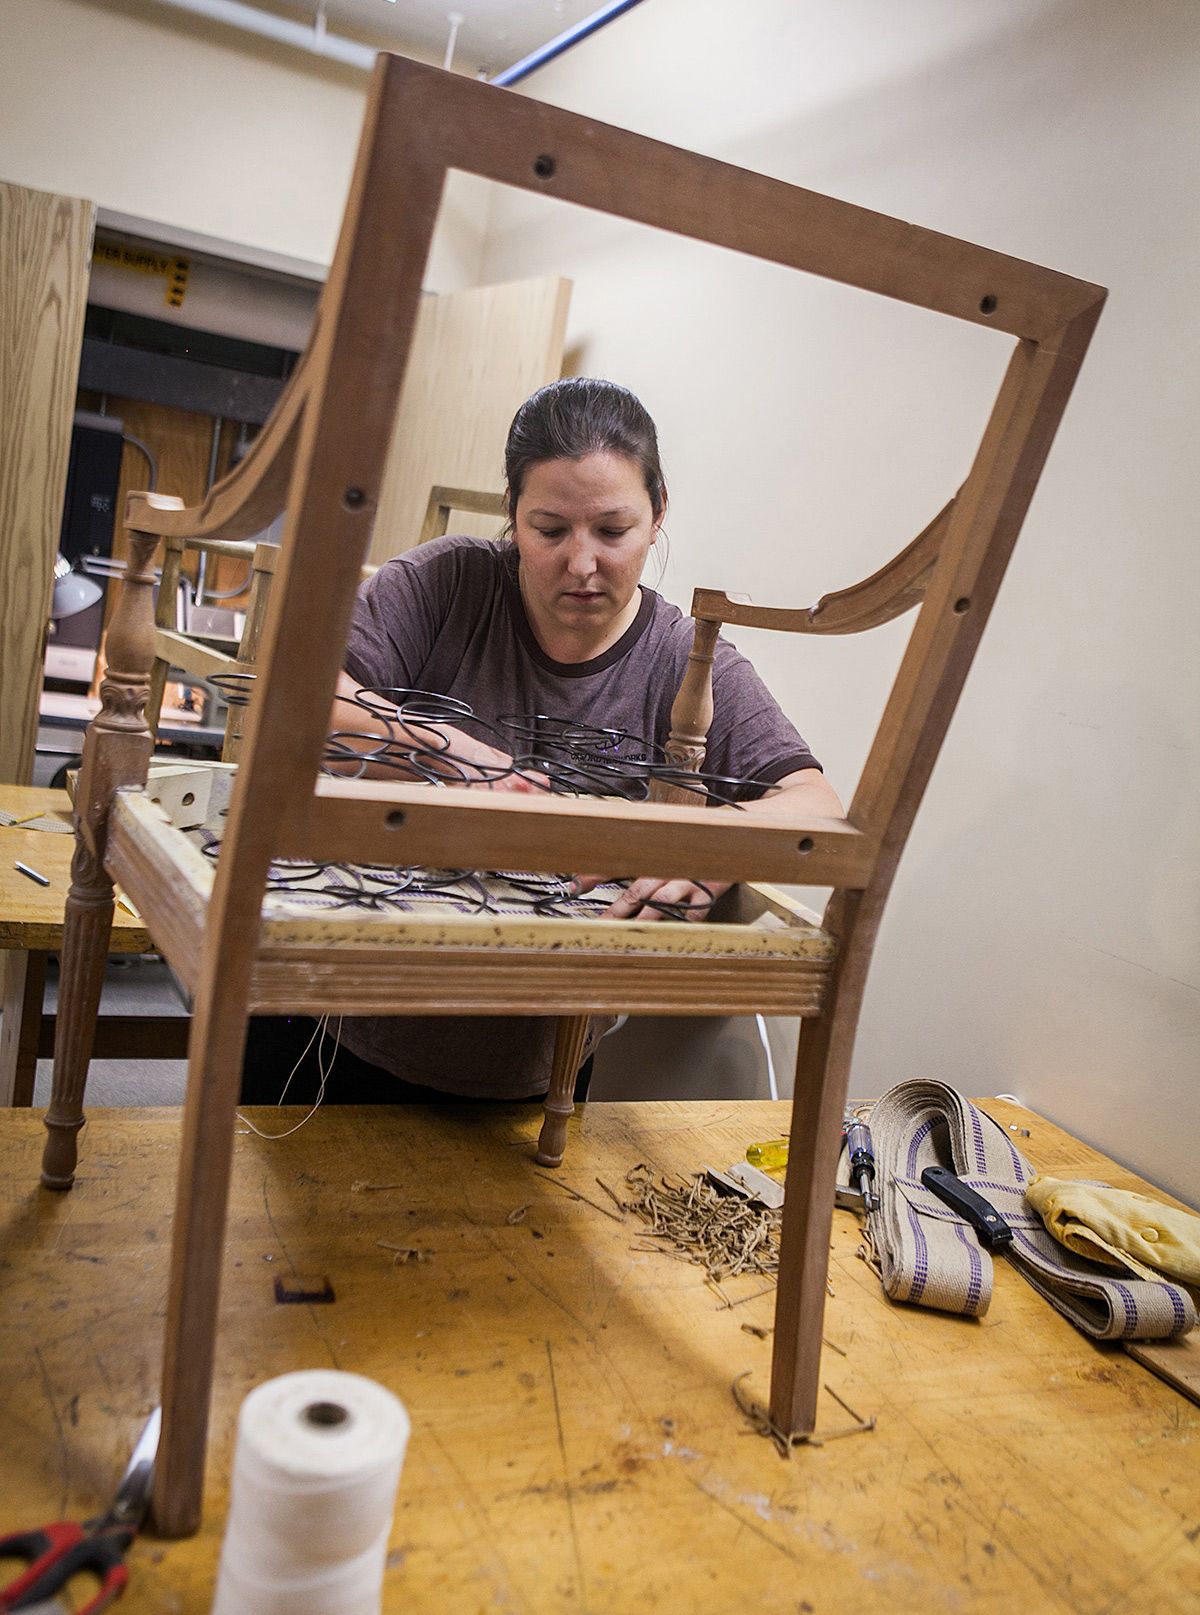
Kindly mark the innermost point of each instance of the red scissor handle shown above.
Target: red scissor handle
(43, 1548)
(59, 1551)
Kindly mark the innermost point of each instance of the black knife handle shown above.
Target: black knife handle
(991, 1227)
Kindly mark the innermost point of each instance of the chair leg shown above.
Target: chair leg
(86, 927)
(201, 1203)
(818, 1106)
(560, 1096)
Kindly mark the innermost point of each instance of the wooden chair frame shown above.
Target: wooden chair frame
(322, 456)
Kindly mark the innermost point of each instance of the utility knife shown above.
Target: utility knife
(993, 1231)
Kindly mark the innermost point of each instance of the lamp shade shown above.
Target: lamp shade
(72, 591)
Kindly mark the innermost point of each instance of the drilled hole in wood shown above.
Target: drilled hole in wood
(806, 844)
(544, 165)
(188, 798)
(987, 305)
(395, 819)
(326, 1415)
(962, 605)
(354, 499)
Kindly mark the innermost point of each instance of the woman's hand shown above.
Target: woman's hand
(803, 795)
(694, 898)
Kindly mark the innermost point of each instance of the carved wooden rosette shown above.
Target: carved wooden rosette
(116, 752)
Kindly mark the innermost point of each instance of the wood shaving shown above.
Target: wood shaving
(517, 1215)
(405, 1254)
(723, 1234)
(615, 1198)
(575, 1195)
(764, 1425)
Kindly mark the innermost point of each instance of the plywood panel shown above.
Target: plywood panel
(45, 249)
(476, 356)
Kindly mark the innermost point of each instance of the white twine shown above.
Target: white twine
(315, 1472)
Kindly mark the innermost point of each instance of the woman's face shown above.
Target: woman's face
(583, 529)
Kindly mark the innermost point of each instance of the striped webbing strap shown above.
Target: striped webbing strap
(928, 1255)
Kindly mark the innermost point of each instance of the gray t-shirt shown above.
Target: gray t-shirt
(448, 617)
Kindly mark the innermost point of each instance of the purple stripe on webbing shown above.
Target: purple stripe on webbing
(998, 1188)
(1178, 1308)
(977, 1129)
(1018, 1163)
(919, 1137)
(921, 1267)
(975, 1288)
(1131, 1311)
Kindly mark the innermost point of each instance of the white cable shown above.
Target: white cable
(772, 1082)
(318, 1031)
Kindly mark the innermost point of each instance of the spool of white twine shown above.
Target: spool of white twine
(314, 1484)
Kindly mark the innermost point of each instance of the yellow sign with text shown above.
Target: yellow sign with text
(145, 261)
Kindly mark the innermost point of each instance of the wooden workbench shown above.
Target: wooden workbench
(31, 923)
(575, 1443)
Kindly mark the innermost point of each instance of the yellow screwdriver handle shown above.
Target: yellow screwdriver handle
(770, 1156)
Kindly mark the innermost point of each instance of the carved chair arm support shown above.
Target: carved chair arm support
(896, 588)
(249, 498)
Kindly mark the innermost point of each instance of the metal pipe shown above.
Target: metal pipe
(317, 41)
(563, 42)
(250, 20)
(455, 19)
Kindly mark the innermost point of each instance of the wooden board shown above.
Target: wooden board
(45, 247)
(575, 1444)
(476, 356)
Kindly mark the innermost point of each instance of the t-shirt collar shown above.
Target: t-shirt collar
(573, 670)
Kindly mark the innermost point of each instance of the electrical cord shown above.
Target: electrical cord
(319, 1031)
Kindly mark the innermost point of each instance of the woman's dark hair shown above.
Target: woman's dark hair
(569, 419)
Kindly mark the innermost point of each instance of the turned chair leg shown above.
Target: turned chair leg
(560, 1096)
(198, 1236)
(86, 928)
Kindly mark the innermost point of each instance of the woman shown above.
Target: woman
(553, 619)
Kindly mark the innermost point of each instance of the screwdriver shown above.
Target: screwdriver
(769, 1156)
(862, 1162)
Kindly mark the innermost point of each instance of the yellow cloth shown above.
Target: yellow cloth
(1119, 1227)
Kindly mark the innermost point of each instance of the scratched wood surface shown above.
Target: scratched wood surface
(575, 1445)
(31, 916)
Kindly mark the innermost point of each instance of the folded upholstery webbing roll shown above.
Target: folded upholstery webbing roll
(928, 1255)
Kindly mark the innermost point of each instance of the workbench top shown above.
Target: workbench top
(31, 916)
(575, 1443)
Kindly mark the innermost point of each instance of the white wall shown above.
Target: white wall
(154, 113)
(1044, 933)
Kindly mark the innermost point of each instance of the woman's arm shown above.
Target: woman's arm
(802, 795)
(360, 731)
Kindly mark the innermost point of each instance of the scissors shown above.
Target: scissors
(63, 1549)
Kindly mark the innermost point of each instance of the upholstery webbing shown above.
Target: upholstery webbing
(928, 1255)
